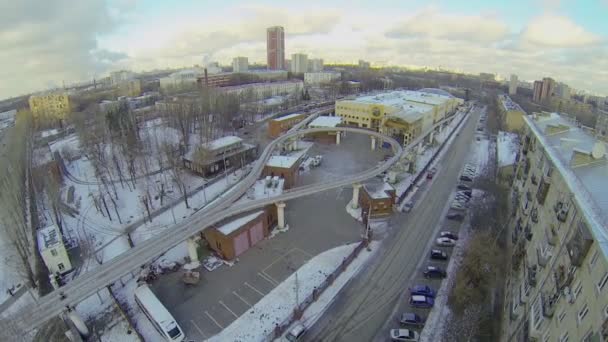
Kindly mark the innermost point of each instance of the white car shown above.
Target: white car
(445, 242)
(405, 335)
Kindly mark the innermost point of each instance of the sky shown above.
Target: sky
(46, 43)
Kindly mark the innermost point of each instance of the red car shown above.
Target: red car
(431, 173)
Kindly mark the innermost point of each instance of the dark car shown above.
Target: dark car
(439, 254)
(463, 187)
(412, 319)
(451, 235)
(422, 290)
(421, 301)
(434, 272)
(467, 193)
(466, 178)
(455, 216)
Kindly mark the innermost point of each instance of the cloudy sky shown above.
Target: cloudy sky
(44, 43)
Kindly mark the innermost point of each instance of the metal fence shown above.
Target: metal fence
(316, 293)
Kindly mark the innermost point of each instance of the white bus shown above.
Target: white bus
(158, 314)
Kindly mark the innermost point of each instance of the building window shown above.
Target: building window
(577, 289)
(602, 282)
(596, 254)
(53, 252)
(583, 313)
(561, 316)
(537, 315)
(60, 266)
(564, 337)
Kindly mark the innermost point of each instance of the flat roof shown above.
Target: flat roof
(222, 142)
(507, 146)
(587, 183)
(49, 237)
(378, 190)
(288, 161)
(232, 226)
(509, 104)
(326, 121)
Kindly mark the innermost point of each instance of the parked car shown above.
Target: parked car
(421, 301)
(431, 173)
(458, 206)
(445, 242)
(463, 187)
(296, 333)
(404, 335)
(434, 272)
(437, 254)
(465, 178)
(467, 193)
(455, 216)
(449, 235)
(411, 319)
(407, 207)
(422, 290)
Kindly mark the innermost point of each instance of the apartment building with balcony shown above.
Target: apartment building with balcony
(558, 284)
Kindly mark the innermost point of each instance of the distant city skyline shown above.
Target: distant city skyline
(44, 45)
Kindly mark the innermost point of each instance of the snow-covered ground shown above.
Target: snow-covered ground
(258, 323)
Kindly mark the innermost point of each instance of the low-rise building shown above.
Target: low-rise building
(278, 126)
(512, 114)
(52, 105)
(286, 166)
(558, 286)
(182, 78)
(219, 155)
(601, 125)
(240, 64)
(53, 251)
(316, 78)
(129, 88)
(267, 89)
(507, 149)
(377, 199)
(326, 122)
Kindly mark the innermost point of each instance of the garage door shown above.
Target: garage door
(241, 243)
(257, 233)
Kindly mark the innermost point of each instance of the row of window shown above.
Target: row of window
(354, 117)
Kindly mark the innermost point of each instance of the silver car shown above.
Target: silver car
(405, 335)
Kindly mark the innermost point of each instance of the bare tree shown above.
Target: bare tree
(174, 161)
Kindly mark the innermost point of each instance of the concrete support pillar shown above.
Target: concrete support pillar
(373, 143)
(281, 214)
(431, 136)
(355, 202)
(193, 244)
(420, 147)
(295, 144)
(337, 138)
(440, 128)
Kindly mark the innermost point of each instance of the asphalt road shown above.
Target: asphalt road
(369, 301)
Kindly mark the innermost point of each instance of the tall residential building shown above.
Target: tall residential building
(315, 65)
(548, 89)
(513, 83)
(321, 77)
(299, 63)
(275, 48)
(52, 105)
(562, 90)
(537, 91)
(558, 283)
(240, 64)
(363, 64)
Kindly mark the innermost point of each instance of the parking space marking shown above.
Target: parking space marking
(304, 252)
(213, 319)
(281, 258)
(241, 298)
(270, 278)
(254, 289)
(227, 308)
(198, 328)
(265, 277)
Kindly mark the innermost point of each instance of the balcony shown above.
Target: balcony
(579, 244)
(561, 211)
(528, 232)
(543, 189)
(533, 179)
(534, 215)
(551, 234)
(532, 275)
(549, 305)
(543, 257)
(519, 252)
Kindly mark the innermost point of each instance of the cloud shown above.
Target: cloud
(431, 23)
(48, 42)
(556, 31)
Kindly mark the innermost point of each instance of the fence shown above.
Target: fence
(422, 172)
(316, 293)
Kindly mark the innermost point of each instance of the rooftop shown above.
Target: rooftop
(234, 225)
(587, 182)
(287, 117)
(378, 190)
(222, 142)
(259, 84)
(405, 99)
(287, 161)
(509, 104)
(507, 148)
(326, 121)
(49, 237)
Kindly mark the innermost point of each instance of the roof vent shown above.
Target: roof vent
(599, 150)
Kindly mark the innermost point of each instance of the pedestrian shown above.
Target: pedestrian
(10, 292)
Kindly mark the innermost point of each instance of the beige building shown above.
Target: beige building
(130, 88)
(299, 63)
(401, 114)
(240, 64)
(315, 78)
(511, 113)
(54, 105)
(53, 251)
(601, 125)
(507, 149)
(558, 287)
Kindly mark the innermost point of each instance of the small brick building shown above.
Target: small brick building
(278, 126)
(380, 197)
(323, 122)
(287, 166)
(232, 237)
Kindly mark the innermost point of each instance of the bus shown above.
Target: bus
(158, 314)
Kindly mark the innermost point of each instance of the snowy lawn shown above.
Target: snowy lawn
(260, 321)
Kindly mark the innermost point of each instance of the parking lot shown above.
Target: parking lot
(316, 223)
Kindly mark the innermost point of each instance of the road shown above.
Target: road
(363, 308)
(87, 284)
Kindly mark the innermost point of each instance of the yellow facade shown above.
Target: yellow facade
(360, 114)
(50, 106)
(130, 88)
(512, 114)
